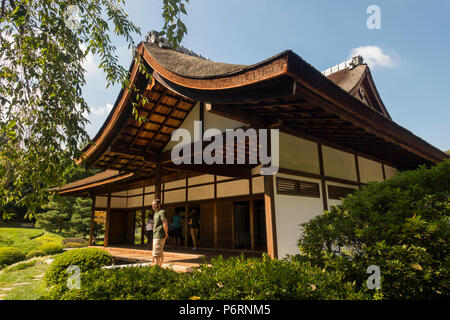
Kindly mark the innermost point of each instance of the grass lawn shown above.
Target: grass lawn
(31, 291)
(26, 239)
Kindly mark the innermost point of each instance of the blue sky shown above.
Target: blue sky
(409, 56)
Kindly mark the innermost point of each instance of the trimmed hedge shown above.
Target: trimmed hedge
(86, 259)
(74, 245)
(80, 241)
(10, 255)
(35, 253)
(50, 248)
(235, 278)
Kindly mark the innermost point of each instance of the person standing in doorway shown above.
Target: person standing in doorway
(160, 232)
(194, 221)
(149, 230)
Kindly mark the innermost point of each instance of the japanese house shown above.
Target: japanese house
(335, 135)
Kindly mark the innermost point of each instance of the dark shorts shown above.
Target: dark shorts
(176, 232)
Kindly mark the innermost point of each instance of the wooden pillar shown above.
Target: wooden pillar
(91, 231)
(252, 218)
(252, 225)
(107, 221)
(358, 176)
(142, 226)
(216, 223)
(269, 201)
(186, 215)
(384, 172)
(158, 182)
(322, 178)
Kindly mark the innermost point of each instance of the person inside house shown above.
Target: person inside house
(149, 230)
(194, 222)
(160, 232)
(176, 230)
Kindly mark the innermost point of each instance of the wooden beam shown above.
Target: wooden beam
(322, 178)
(168, 116)
(252, 224)
(91, 230)
(269, 201)
(142, 125)
(107, 221)
(158, 181)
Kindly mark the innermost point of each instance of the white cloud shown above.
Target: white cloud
(374, 56)
(89, 63)
(101, 111)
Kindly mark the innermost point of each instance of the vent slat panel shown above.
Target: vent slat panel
(336, 192)
(297, 188)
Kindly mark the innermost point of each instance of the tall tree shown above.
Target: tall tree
(43, 44)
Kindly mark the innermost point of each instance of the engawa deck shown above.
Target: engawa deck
(181, 260)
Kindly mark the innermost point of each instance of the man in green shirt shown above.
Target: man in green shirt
(160, 232)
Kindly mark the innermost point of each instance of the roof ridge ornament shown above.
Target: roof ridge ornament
(350, 64)
(156, 38)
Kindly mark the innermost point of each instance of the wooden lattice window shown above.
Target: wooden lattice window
(297, 188)
(336, 192)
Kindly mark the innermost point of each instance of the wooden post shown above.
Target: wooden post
(186, 215)
(216, 225)
(252, 225)
(91, 231)
(107, 221)
(384, 172)
(358, 176)
(252, 218)
(322, 178)
(158, 181)
(142, 226)
(269, 201)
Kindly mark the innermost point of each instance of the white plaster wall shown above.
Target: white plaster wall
(148, 198)
(187, 124)
(258, 184)
(389, 171)
(118, 203)
(135, 192)
(175, 196)
(298, 154)
(290, 212)
(233, 188)
(201, 193)
(207, 178)
(121, 193)
(218, 122)
(369, 170)
(339, 164)
(149, 189)
(101, 202)
(175, 184)
(135, 202)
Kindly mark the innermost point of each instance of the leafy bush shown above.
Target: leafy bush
(10, 255)
(51, 248)
(83, 242)
(35, 253)
(86, 259)
(401, 225)
(74, 245)
(21, 266)
(234, 278)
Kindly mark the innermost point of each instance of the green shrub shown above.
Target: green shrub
(86, 259)
(10, 255)
(235, 278)
(80, 241)
(35, 253)
(74, 245)
(401, 225)
(51, 248)
(21, 266)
